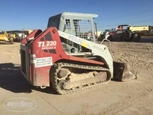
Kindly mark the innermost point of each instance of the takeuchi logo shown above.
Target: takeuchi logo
(20, 104)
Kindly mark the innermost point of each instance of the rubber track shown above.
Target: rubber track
(60, 65)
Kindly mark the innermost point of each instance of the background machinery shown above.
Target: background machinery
(19, 34)
(123, 33)
(143, 30)
(6, 38)
(67, 57)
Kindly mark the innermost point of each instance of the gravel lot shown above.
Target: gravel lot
(134, 97)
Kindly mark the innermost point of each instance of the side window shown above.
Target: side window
(76, 27)
(68, 25)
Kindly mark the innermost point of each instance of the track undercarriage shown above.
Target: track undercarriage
(71, 77)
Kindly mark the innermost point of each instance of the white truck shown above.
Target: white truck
(143, 30)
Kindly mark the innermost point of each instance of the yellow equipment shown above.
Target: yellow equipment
(5, 37)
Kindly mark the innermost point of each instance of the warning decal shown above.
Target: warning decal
(41, 62)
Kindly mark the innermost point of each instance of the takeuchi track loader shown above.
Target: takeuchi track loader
(66, 56)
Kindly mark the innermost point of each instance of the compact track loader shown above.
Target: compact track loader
(67, 57)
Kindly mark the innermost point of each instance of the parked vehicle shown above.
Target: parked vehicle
(143, 30)
(65, 57)
(123, 33)
(6, 38)
(19, 34)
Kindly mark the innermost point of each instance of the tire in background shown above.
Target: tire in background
(136, 37)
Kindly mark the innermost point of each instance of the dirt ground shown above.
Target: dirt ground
(134, 97)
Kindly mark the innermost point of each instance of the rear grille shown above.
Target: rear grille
(23, 61)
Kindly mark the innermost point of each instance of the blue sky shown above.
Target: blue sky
(34, 14)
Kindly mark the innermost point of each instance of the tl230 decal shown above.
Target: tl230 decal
(47, 44)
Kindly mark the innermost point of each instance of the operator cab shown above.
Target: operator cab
(78, 24)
